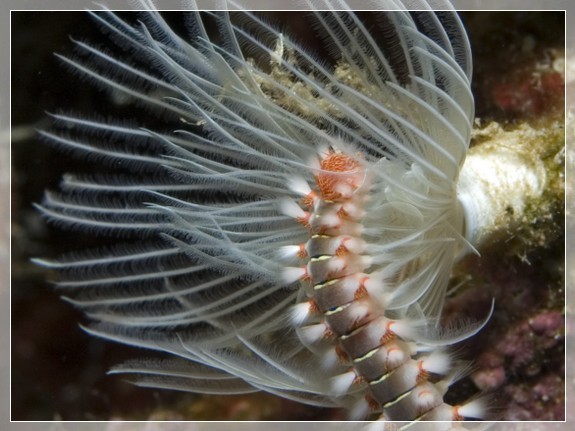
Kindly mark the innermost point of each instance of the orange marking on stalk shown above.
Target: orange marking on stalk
(313, 307)
(339, 163)
(302, 252)
(308, 200)
(358, 379)
(426, 407)
(306, 276)
(389, 334)
(372, 402)
(342, 212)
(342, 355)
(328, 332)
(305, 219)
(362, 320)
(423, 375)
(389, 350)
(456, 416)
(360, 293)
(342, 249)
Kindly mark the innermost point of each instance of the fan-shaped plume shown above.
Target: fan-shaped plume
(294, 220)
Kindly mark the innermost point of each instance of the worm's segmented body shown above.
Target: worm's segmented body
(342, 314)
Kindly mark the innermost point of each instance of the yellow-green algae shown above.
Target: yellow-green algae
(539, 146)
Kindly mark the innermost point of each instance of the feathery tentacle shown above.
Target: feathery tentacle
(348, 167)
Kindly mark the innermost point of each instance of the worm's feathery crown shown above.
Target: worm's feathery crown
(204, 199)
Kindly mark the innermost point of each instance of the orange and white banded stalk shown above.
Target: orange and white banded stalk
(346, 308)
(293, 225)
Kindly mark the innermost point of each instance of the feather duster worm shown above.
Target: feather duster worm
(296, 230)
